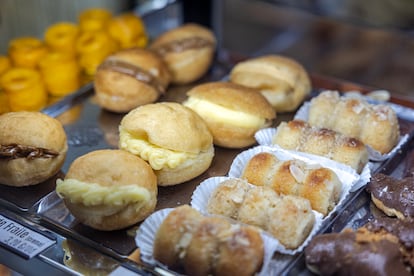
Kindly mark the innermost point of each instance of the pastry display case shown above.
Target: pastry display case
(38, 233)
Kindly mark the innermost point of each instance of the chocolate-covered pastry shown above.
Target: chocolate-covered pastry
(395, 197)
(403, 230)
(359, 252)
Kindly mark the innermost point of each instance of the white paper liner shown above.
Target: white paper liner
(374, 155)
(264, 138)
(145, 237)
(203, 192)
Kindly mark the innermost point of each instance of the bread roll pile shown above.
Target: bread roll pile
(197, 245)
(288, 218)
(301, 136)
(319, 185)
(375, 125)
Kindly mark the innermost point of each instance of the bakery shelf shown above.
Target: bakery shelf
(94, 128)
(89, 128)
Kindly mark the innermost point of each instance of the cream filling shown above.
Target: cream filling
(225, 115)
(157, 157)
(93, 194)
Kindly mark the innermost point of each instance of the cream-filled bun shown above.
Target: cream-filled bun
(109, 189)
(188, 50)
(174, 140)
(283, 81)
(232, 112)
(130, 78)
(33, 148)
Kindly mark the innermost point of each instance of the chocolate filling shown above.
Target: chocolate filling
(133, 71)
(355, 253)
(177, 46)
(15, 151)
(394, 193)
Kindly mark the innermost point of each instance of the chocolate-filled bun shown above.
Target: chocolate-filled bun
(130, 78)
(188, 51)
(109, 189)
(33, 148)
(172, 138)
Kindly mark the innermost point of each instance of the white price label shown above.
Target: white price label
(21, 239)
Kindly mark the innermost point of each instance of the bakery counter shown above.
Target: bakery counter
(89, 127)
(60, 244)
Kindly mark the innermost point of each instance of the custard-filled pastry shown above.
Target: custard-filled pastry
(109, 189)
(172, 138)
(233, 113)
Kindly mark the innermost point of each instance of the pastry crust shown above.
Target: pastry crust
(171, 137)
(233, 113)
(288, 218)
(299, 135)
(33, 148)
(130, 78)
(283, 81)
(319, 185)
(188, 51)
(108, 197)
(375, 125)
(207, 245)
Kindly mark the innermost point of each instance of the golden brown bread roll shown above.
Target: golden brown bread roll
(188, 50)
(174, 235)
(109, 189)
(300, 136)
(130, 78)
(33, 148)
(375, 125)
(174, 139)
(283, 81)
(232, 112)
(207, 245)
(288, 218)
(319, 185)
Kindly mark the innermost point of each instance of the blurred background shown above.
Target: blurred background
(368, 42)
